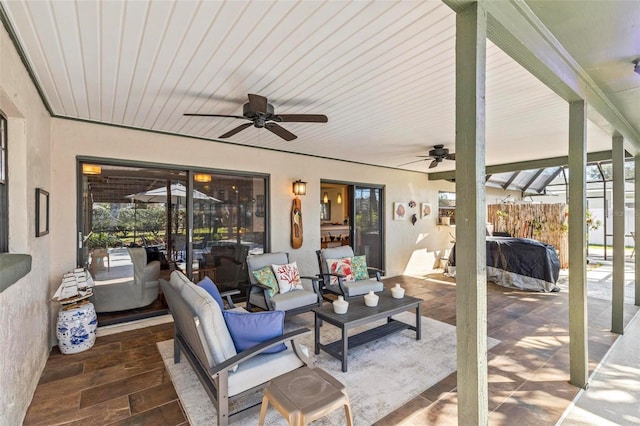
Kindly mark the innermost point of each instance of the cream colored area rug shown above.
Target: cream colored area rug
(383, 375)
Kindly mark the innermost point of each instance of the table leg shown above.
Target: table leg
(345, 346)
(418, 323)
(316, 334)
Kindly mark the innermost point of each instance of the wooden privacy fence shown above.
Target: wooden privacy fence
(546, 223)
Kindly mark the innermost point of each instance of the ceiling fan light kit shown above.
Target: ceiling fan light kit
(261, 114)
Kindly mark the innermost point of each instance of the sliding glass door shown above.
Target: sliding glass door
(368, 220)
(203, 223)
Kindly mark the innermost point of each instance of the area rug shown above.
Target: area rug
(383, 375)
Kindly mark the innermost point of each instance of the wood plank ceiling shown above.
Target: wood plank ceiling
(382, 71)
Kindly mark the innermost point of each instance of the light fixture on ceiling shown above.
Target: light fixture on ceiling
(325, 198)
(91, 169)
(636, 66)
(299, 188)
(202, 177)
(339, 199)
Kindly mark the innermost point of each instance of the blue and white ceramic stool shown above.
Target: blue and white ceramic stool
(76, 328)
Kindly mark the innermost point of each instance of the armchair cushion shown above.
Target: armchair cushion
(212, 289)
(248, 329)
(266, 277)
(343, 267)
(294, 299)
(359, 268)
(288, 277)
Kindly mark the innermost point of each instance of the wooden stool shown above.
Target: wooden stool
(304, 395)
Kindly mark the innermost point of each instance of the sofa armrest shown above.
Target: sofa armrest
(245, 355)
(228, 295)
(151, 271)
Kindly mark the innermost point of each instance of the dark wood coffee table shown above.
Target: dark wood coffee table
(360, 314)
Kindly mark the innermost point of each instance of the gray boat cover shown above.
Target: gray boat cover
(520, 263)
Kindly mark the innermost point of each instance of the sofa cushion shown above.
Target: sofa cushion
(261, 369)
(212, 289)
(266, 277)
(252, 328)
(288, 277)
(219, 345)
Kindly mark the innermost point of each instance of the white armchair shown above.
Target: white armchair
(140, 292)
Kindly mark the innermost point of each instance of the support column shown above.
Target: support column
(578, 337)
(636, 236)
(617, 299)
(471, 291)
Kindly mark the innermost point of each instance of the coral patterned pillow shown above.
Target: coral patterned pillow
(341, 266)
(288, 277)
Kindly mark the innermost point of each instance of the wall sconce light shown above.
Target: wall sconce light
(299, 188)
(202, 177)
(325, 198)
(636, 66)
(339, 200)
(91, 169)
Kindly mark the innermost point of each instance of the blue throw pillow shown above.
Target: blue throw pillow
(248, 329)
(211, 288)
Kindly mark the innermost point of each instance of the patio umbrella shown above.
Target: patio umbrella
(178, 195)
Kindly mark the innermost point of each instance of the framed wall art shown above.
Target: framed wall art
(42, 212)
(425, 209)
(399, 211)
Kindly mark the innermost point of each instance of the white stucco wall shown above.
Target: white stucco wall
(72, 138)
(24, 307)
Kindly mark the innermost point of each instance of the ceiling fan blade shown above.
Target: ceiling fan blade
(424, 156)
(302, 118)
(433, 164)
(257, 103)
(214, 115)
(280, 131)
(410, 162)
(451, 157)
(236, 130)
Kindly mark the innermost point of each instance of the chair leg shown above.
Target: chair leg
(263, 410)
(347, 412)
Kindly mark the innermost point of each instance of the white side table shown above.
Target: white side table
(76, 327)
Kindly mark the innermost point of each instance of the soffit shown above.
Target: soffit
(383, 72)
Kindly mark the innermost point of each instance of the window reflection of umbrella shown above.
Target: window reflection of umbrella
(178, 195)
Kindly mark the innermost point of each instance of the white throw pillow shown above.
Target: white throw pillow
(288, 277)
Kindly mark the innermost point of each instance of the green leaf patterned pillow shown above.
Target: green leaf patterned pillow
(359, 268)
(266, 277)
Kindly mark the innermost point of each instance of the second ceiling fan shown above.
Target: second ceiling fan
(261, 113)
(439, 153)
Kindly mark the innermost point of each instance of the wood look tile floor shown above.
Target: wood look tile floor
(122, 379)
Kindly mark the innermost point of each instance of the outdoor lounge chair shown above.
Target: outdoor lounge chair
(292, 302)
(339, 285)
(233, 379)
